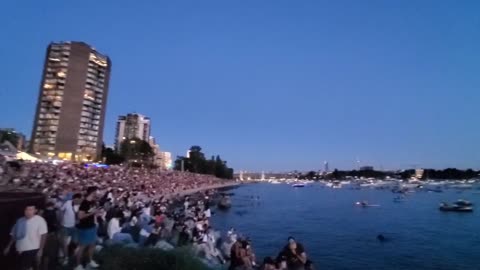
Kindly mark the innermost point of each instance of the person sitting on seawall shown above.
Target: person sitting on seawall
(154, 236)
(294, 255)
(114, 230)
(209, 246)
(309, 265)
(242, 256)
(269, 264)
(29, 235)
(249, 252)
(236, 256)
(226, 246)
(184, 237)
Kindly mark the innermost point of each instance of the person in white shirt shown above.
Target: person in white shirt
(209, 240)
(114, 231)
(68, 211)
(186, 204)
(29, 235)
(207, 212)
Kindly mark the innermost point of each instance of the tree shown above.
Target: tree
(197, 163)
(137, 150)
(336, 174)
(110, 157)
(197, 159)
(219, 167)
(310, 175)
(12, 137)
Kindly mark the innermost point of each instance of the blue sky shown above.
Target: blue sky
(271, 85)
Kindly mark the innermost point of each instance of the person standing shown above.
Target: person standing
(87, 228)
(51, 244)
(29, 235)
(68, 211)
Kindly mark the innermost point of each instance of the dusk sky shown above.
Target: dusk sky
(270, 85)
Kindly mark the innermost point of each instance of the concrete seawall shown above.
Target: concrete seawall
(195, 190)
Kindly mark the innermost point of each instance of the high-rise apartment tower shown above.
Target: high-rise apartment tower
(130, 126)
(71, 103)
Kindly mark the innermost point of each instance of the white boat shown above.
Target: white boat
(298, 185)
(462, 186)
(434, 183)
(367, 185)
(409, 185)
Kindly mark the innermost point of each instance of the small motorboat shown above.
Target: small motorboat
(445, 207)
(366, 204)
(297, 185)
(337, 184)
(463, 203)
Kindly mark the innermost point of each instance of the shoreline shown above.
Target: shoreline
(200, 189)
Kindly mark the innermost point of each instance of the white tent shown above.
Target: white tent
(25, 156)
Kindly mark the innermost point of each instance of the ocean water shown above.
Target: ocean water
(339, 235)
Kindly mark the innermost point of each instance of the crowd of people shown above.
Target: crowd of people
(52, 179)
(89, 208)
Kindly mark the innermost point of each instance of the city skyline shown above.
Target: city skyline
(273, 85)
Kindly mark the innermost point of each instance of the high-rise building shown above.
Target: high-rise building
(132, 125)
(167, 162)
(419, 173)
(71, 102)
(157, 154)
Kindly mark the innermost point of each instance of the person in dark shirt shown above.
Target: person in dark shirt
(184, 237)
(309, 265)
(86, 228)
(50, 216)
(268, 264)
(241, 256)
(294, 255)
(236, 254)
(154, 237)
